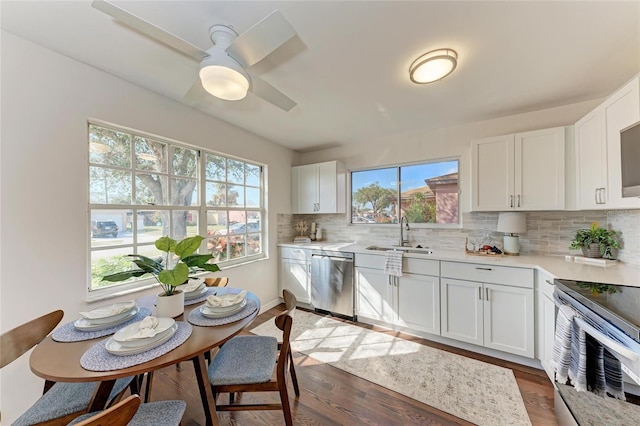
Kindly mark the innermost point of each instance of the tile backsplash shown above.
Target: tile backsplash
(548, 233)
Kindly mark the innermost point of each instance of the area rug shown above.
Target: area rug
(476, 391)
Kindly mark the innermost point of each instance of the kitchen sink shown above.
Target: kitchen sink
(412, 250)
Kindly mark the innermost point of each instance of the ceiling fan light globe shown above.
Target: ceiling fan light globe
(433, 66)
(224, 83)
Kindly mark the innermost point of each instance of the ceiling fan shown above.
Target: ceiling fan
(223, 67)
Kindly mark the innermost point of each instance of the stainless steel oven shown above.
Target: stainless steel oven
(610, 316)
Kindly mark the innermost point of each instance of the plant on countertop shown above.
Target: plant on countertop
(171, 271)
(605, 238)
(596, 288)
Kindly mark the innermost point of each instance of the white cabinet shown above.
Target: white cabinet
(411, 301)
(521, 171)
(318, 188)
(598, 177)
(545, 321)
(295, 272)
(491, 306)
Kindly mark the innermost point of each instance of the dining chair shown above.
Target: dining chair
(216, 282)
(62, 401)
(131, 412)
(246, 364)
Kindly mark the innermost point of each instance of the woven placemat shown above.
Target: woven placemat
(98, 359)
(68, 333)
(210, 291)
(196, 317)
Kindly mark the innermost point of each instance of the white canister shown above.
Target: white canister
(318, 234)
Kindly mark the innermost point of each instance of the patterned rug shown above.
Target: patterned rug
(473, 390)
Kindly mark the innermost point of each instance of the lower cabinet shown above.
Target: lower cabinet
(410, 301)
(489, 314)
(546, 321)
(295, 273)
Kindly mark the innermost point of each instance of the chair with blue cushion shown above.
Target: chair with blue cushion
(61, 402)
(130, 412)
(246, 364)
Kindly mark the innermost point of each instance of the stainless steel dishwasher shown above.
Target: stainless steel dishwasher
(332, 282)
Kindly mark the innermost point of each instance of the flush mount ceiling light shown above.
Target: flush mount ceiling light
(433, 66)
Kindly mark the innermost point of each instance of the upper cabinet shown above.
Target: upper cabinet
(598, 179)
(521, 171)
(318, 188)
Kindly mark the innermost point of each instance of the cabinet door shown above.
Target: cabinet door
(492, 174)
(375, 298)
(548, 325)
(327, 185)
(294, 276)
(419, 302)
(509, 319)
(307, 188)
(620, 111)
(591, 160)
(461, 310)
(539, 170)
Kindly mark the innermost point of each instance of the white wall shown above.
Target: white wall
(448, 142)
(46, 101)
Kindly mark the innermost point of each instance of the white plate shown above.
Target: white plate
(123, 334)
(228, 308)
(116, 348)
(209, 313)
(196, 293)
(86, 325)
(106, 319)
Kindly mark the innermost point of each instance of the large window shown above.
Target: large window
(424, 193)
(143, 187)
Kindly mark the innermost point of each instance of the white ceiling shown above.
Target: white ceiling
(348, 70)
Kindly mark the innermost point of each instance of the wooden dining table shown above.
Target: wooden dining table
(60, 361)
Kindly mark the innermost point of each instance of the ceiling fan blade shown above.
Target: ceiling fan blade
(149, 29)
(253, 45)
(270, 94)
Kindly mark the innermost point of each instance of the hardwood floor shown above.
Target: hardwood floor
(329, 396)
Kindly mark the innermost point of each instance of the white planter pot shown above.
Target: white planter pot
(170, 306)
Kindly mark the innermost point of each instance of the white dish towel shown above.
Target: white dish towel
(393, 263)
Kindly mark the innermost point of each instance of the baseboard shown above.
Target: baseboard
(266, 306)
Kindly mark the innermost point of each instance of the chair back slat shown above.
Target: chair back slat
(19, 340)
(119, 414)
(216, 282)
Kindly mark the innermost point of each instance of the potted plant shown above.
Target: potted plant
(170, 271)
(595, 241)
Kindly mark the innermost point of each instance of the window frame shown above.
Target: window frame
(199, 205)
(398, 166)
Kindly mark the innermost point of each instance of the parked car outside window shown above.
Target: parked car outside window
(104, 228)
(240, 228)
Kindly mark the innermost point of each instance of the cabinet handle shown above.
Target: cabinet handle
(518, 200)
(595, 195)
(487, 293)
(510, 200)
(602, 199)
(479, 293)
(484, 269)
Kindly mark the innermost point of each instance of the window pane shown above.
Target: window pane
(109, 147)
(374, 195)
(252, 197)
(152, 224)
(105, 262)
(151, 155)
(254, 244)
(109, 186)
(429, 192)
(151, 189)
(216, 220)
(184, 192)
(185, 162)
(252, 175)
(236, 246)
(216, 194)
(216, 168)
(110, 227)
(235, 196)
(185, 224)
(236, 171)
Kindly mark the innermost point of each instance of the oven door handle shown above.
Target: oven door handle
(607, 341)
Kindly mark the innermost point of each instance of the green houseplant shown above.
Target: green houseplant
(595, 240)
(170, 271)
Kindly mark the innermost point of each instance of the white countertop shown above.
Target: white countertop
(556, 266)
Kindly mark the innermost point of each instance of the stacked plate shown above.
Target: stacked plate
(193, 290)
(228, 304)
(132, 340)
(106, 316)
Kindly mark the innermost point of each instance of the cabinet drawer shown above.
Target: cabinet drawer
(294, 253)
(412, 265)
(517, 277)
(373, 261)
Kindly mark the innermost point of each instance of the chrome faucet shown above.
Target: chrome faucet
(404, 242)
